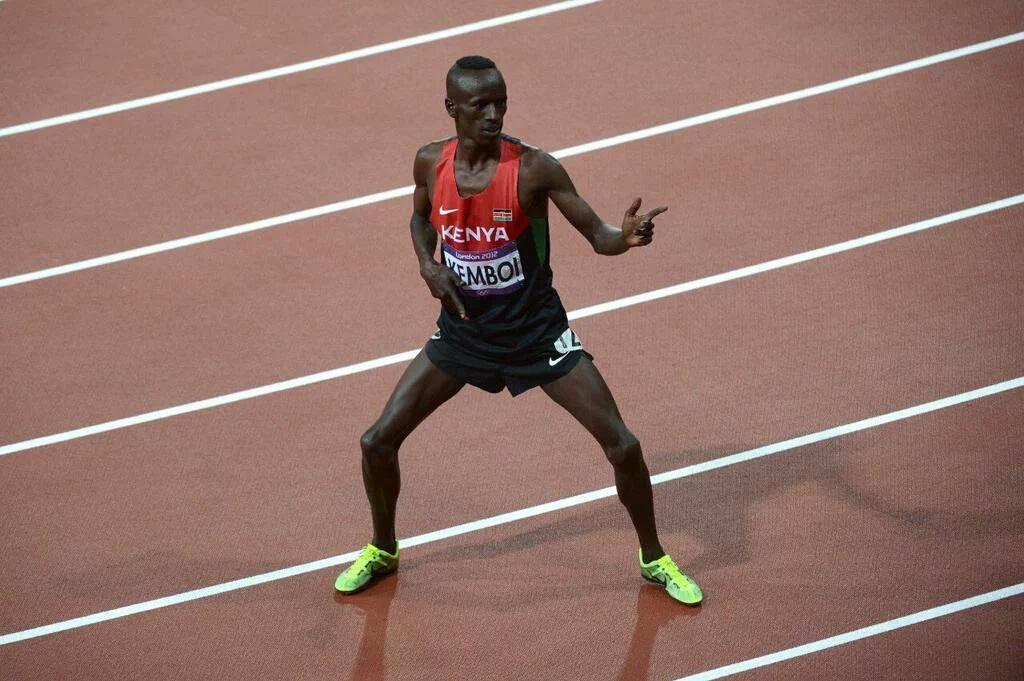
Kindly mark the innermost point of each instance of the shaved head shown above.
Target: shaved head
(470, 73)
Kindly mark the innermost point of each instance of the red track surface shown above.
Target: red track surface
(792, 548)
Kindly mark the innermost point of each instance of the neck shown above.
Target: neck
(476, 152)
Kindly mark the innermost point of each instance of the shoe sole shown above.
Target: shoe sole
(370, 582)
(662, 585)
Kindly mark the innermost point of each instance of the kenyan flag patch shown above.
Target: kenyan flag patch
(502, 215)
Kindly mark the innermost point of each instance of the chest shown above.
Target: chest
(472, 181)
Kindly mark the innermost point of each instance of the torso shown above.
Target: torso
(499, 248)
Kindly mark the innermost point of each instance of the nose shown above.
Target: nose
(492, 114)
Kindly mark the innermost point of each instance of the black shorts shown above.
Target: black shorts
(551, 363)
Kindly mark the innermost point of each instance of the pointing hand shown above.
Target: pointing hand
(638, 230)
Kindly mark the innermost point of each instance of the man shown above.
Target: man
(502, 324)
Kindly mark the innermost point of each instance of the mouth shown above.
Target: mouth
(490, 129)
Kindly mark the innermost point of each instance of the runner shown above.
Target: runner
(502, 325)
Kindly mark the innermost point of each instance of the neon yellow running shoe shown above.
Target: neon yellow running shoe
(664, 571)
(371, 563)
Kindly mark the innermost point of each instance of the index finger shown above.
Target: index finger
(657, 211)
(460, 307)
(455, 300)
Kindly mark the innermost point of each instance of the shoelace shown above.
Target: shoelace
(672, 572)
(365, 560)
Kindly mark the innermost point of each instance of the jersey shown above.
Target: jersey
(503, 257)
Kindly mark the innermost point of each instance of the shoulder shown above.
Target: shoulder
(427, 157)
(538, 165)
(431, 151)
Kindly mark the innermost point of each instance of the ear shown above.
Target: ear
(449, 106)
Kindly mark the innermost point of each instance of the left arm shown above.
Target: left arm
(636, 230)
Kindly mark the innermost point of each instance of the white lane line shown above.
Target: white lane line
(858, 634)
(214, 235)
(794, 96)
(209, 403)
(521, 514)
(562, 153)
(574, 314)
(295, 68)
(822, 252)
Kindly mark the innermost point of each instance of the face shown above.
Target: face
(477, 101)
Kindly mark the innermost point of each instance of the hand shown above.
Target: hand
(638, 230)
(444, 285)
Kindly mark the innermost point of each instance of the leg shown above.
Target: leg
(584, 394)
(422, 389)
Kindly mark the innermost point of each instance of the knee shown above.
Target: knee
(377, 447)
(623, 450)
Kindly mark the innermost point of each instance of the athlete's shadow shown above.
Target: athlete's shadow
(717, 512)
(718, 509)
(373, 605)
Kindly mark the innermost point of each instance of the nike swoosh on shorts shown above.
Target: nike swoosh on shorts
(553, 362)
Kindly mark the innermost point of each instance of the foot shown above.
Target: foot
(664, 571)
(371, 564)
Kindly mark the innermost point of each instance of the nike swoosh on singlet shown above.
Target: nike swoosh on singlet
(445, 212)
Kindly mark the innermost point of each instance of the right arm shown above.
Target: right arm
(440, 279)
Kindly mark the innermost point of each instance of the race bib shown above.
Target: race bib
(498, 271)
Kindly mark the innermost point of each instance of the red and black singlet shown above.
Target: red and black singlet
(504, 259)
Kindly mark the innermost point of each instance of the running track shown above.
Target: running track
(791, 548)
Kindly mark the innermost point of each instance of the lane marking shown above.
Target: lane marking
(858, 634)
(797, 258)
(214, 235)
(590, 311)
(398, 192)
(295, 68)
(794, 96)
(521, 514)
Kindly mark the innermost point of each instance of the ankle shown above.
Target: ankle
(649, 555)
(386, 546)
